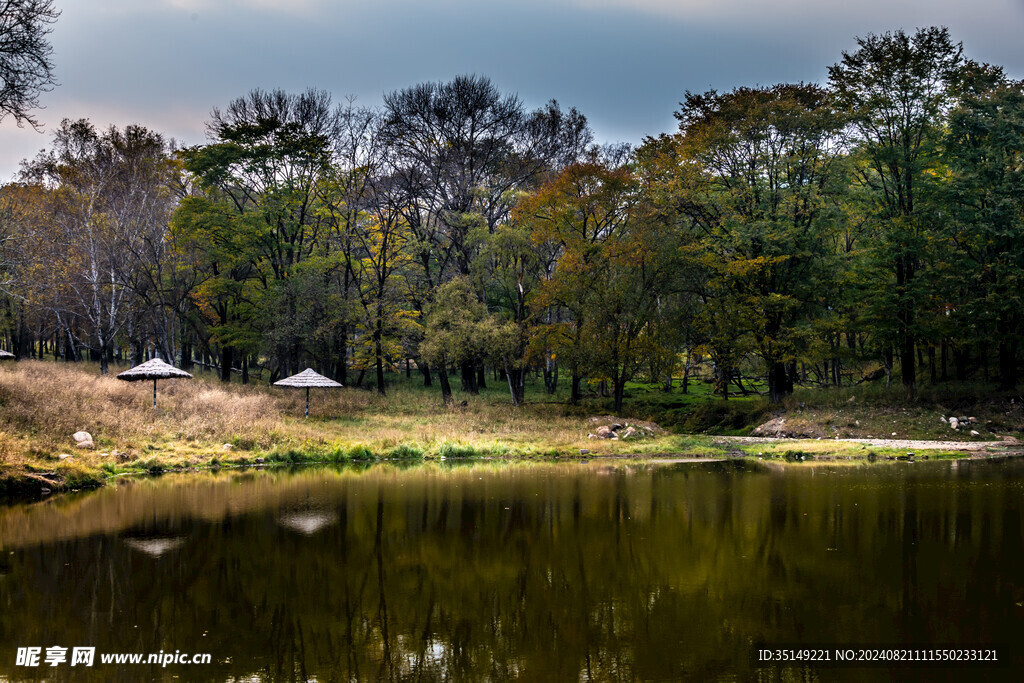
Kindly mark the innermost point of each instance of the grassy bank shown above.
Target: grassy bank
(204, 423)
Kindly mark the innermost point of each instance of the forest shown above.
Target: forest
(870, 227)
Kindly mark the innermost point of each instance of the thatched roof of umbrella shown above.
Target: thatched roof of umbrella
(153, 369)
(6, 355)
(307, 378)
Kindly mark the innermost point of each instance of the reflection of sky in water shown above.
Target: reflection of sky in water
(307, 523)
(154, 547)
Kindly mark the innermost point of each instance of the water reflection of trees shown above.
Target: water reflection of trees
(542, 573)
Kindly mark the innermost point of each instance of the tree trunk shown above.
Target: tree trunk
(574, 387)
(779, 383)
(516, 383)
(21, 337)
(380, 370)
(137, 352)
(550, 374)
(227, 357)
(469, 378)
(446, 389)
(619, 384)
(945, 360)
(71, 351)
(104, 362)
(425, 369)
(481, 377)
(341, 357)
(686, 373)
(186, 354)
(905, 317)
(378, 341)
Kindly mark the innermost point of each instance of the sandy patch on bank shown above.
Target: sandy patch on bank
(1005, 442)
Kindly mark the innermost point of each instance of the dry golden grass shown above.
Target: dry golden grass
(43, 403)
(49, 402)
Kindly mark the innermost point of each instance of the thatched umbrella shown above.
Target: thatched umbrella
(152, 369)
(307, 378)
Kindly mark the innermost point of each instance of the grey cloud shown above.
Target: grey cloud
(623, 63)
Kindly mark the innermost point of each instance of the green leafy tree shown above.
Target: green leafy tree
(984, 193)
(616, 263)
(268, 162)
(514, 267)
(383, 258)
(898, 89)
(209, 240)
(756, 180)
(457, 328)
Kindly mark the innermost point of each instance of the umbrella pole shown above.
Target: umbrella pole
(307, 403)
(154, 394)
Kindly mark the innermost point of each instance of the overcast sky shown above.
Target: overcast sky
(624, 63)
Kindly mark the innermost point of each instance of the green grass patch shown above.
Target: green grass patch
(449, 449)
(360, 452)
(406, 451)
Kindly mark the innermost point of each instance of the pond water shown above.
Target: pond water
(536, 572)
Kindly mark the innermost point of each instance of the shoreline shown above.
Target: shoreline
(31, 484)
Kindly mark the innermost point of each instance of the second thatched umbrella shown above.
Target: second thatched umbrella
(307, 378)
(153, 369)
